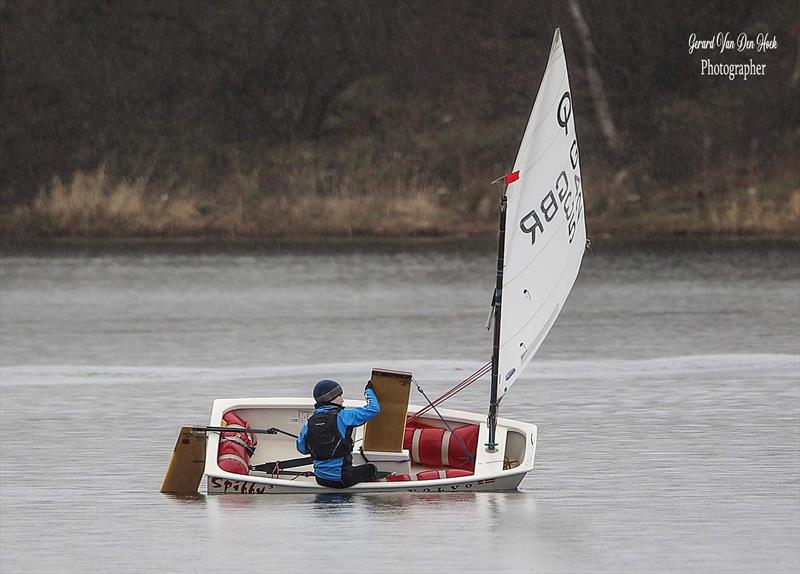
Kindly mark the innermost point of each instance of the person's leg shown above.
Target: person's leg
(331, 483)
(355, 474)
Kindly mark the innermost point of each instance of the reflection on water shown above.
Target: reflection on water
(458, 530)
(667, 400)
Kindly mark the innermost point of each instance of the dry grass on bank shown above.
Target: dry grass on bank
(94, 205)
(754, 214)
(615, 206)
(91, 204)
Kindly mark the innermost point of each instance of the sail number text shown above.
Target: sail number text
(563, 197)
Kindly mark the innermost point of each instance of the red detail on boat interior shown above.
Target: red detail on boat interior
(235, 448)
(233, 419)
(397, 477)
(424, 443)
(443, 473)
(233, 457)
(512, 177)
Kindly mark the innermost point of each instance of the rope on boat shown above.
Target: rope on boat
(452, 392)
(446, 424)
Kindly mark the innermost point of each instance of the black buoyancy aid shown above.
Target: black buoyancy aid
(323, 439)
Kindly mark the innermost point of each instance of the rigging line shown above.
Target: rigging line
(464, 384)
(441, 399)
(468, 381)
(446, 424)
(456, 389)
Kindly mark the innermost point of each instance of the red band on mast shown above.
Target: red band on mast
(512, 177)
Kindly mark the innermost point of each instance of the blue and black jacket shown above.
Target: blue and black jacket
(346, 419)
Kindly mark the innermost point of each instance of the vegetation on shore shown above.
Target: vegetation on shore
(203, 119)
(93, 205)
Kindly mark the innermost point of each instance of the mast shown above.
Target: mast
(491, 422)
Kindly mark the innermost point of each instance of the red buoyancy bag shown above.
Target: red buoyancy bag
(433, 446)
(397, 478)
(233, 457)
(235, 447)
(443, 473)
(430, 475)
(233, 420)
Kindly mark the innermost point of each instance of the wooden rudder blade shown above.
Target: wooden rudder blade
(188, 462)
(385, 432)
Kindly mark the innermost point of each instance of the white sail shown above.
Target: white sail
(545, 227)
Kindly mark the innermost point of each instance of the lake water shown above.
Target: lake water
(667, 398)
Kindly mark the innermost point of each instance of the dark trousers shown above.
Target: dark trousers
(351, 475)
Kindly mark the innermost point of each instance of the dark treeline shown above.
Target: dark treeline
(184, 93)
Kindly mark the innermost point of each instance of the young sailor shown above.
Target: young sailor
(328, 436)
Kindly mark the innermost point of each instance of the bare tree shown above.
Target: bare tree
(796, 73)
(599, 99)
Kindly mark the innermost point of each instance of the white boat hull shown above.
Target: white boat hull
(497, 471)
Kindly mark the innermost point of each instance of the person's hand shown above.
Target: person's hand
(369, 385)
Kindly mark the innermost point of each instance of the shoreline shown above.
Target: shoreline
(217, 242)
(633, 229)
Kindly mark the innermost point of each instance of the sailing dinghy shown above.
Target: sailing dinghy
(542, 237)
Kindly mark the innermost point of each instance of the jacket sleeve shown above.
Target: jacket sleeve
(357, 416)
(300, 443)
